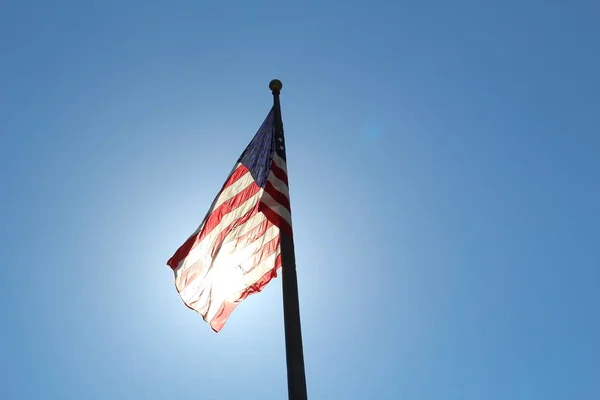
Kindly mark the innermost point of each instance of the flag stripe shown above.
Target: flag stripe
(239, 170)
(205, 243)
(229, 230)
(279, 162)
(276, 219)
(200, 266)
(266, 263)
(274, 205)
(279, 172)
(267, 245)
(276, 201)
(232, 204)
(238, 173)
(237, 255)
(244, 200)
(218, 321)
(234, 188)
(235, 174)
(227, 282)
(277, 196)
(247, 236)
(278, 183)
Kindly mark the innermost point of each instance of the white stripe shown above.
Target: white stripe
(206, 243)
(249, 225)
(229, 246)
(224, 289)
(233, 190)
(265, 266)
(275, 206)
(280, 162)
(241, 184)
(278, 184)
(227, 256)
(254, 248)
(230, 273)
(212, 206)
(230, 257)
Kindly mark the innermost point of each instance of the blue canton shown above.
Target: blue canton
(258, 155)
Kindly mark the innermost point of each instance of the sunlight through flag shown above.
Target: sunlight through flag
(236, 250)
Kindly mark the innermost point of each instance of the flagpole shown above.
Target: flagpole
(291, 306)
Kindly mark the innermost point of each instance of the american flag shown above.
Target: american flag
(236, 250)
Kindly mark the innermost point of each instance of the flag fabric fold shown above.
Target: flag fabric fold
(236, 250)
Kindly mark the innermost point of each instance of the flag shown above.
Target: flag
(236, 250)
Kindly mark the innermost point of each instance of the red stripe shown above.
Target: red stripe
(277, 195)
(191, 242)
(275, 218)
(234, 177)
(227, 207)
(279, 173)
(213, 220)
(253, 234)
(218, 242)
(263, 253)
(227, 307)
(192, 272)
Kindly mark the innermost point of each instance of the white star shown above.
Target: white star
(280, 147)
(280, 139)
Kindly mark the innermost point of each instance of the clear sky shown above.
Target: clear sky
(444, 162)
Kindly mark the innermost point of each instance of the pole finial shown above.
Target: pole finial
(275, 85)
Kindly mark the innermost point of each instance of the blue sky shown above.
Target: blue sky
(444, 162)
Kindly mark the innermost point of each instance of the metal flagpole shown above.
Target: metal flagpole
(291, 306)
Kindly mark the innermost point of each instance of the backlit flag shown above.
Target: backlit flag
(236, 250)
